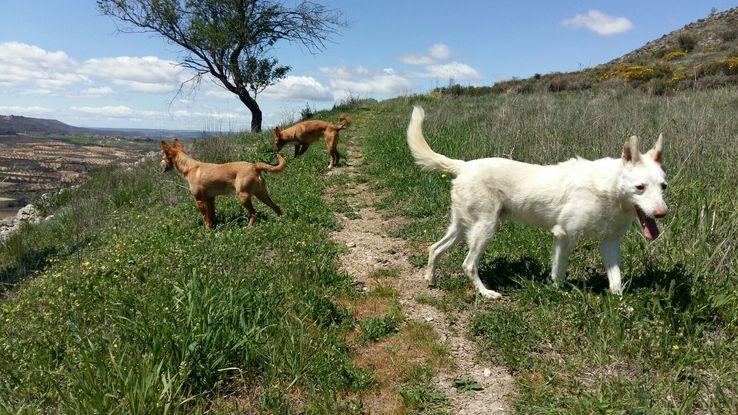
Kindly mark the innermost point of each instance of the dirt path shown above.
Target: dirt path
(369, 249)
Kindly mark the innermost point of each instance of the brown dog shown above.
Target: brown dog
(208, 180)
(305, 133)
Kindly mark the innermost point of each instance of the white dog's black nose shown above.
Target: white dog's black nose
(659, 213)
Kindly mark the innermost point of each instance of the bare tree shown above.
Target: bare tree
(232, 40)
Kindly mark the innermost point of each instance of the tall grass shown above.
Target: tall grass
(669, 344)
(123, 303)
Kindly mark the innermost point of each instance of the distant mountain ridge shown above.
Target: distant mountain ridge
(18, 124)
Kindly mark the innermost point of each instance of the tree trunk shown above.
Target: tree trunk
(255, 111)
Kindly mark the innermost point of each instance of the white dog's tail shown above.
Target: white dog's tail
(422, 153)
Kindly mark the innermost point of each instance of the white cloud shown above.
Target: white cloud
(117, 111)
(130, 114)
(97, 91)
(147, 74)
(454, 70)
(298, 88)
(383, 83)
(337, 71)
(416, 59)
(32, 111)
(600, 23)
(439, 51)
(32, 68)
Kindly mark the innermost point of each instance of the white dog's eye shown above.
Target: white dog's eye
(663, 186)
(641, 187)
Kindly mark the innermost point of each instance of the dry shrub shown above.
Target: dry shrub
(569, 82)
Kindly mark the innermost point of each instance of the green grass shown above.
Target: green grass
(669, 345)
(123, 303)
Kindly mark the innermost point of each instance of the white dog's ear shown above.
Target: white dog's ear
(658, 148)
(630, 150)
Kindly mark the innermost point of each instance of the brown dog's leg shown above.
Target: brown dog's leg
(203, 206)
(245, 200)
(264, 197)
(336, 158)
(331, 141)
(211, 210)
(303, 149)
(297, 149)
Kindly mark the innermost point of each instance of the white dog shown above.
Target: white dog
(572, 199)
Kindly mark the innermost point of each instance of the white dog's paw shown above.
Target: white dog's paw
(431, 280)
(491, 294)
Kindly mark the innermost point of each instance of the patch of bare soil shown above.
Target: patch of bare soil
(371, 251)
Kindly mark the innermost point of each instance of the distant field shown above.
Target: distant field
(32, 165)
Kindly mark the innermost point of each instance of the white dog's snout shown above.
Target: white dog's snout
(660, 211)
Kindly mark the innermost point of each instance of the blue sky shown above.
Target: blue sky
(62, 59)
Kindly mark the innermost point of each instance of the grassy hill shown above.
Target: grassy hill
(700, 55)
(14, 124)
(123, 303)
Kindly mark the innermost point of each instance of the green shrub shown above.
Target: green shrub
(457, 90)
(353, 101)
(728, 66)
(686, 42)
(307, 112)
(729, 35)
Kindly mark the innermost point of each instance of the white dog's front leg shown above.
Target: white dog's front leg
(562, 249)
(611, 258)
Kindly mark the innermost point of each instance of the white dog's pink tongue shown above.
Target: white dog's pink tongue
(650, 229)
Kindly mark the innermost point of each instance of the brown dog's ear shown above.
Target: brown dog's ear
(176, 143)
(277, 132)
(630, 150)
(165, 146)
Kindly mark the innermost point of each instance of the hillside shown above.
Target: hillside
(708, 39)
(700, 55)
(15, 124)
(123, 303)
(18, 124)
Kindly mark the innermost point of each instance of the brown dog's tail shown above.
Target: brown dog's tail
(260, 167)
(344, 121)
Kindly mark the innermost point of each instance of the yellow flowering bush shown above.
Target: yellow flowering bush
(673, 55)
(728, 66)
(629, 73)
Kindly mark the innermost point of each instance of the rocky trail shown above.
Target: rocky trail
(371, 248)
